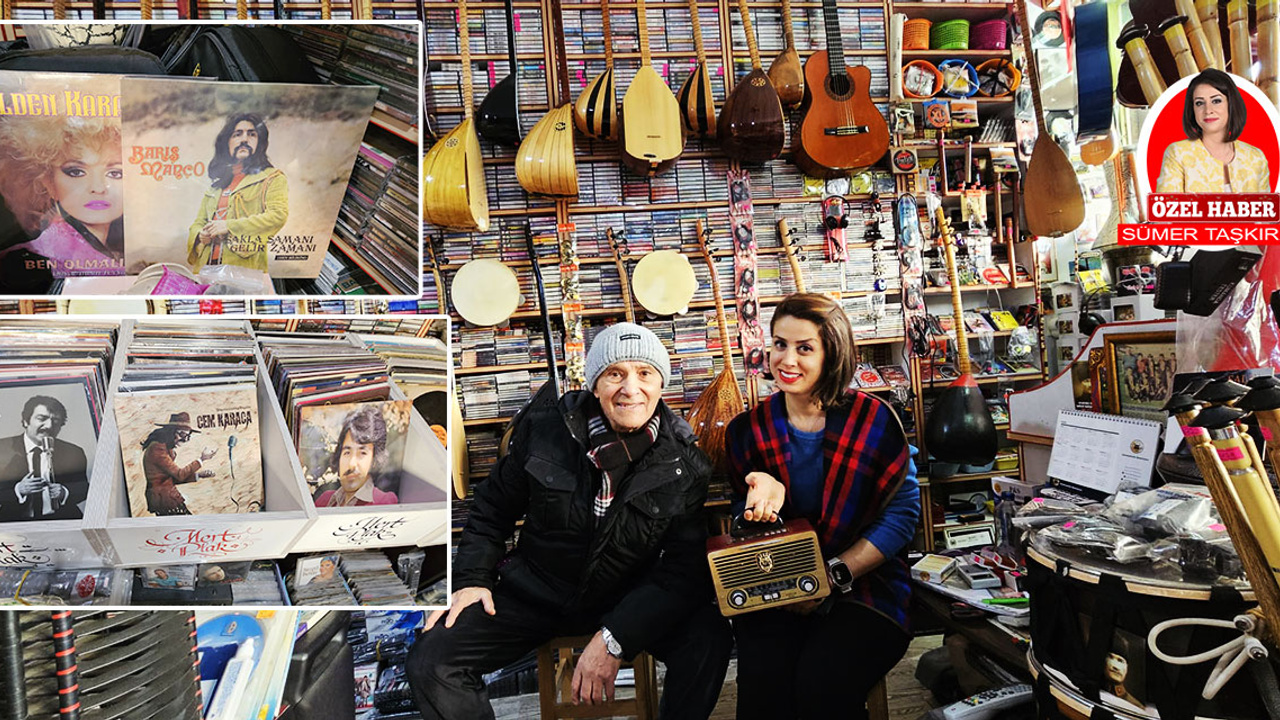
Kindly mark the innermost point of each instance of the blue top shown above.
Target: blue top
(891, 532)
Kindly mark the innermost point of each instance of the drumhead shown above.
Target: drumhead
(485, 292)
(664, 283)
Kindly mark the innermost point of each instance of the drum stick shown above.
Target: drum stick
(1241, 43)
(1176, 37)
(1269, 49)
(1135, 44)
(1208, 12)
(1196, 34)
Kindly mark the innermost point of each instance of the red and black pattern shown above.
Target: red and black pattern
(865, 457)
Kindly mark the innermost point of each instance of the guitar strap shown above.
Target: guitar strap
(750, 333)
(575, 358)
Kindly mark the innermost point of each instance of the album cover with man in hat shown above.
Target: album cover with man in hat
(191, 453)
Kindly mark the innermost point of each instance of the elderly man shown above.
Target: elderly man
(611, 488)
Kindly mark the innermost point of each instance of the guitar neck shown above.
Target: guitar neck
(786, 24)
(1032, 70)
(608, 37)
(835, 45)
(562, 64)
(697, 32)
(511, 37)
(643, 24)
(464, 46)
(745, 12)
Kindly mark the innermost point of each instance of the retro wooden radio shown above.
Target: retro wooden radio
(760, 565)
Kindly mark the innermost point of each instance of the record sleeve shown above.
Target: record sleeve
(343, 447)
(191, 451)
(233, 173)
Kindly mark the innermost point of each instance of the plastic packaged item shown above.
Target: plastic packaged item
(1242, 333)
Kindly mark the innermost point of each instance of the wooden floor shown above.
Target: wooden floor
(908, 700)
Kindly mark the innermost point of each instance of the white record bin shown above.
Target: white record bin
(184, 539)
(420, 518)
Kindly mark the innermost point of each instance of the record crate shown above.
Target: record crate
(183, 539)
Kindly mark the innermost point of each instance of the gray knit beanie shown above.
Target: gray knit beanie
(625, 342)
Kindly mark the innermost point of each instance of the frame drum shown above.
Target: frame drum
(663, 282)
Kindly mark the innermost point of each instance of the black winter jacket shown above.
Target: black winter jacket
(642, 569)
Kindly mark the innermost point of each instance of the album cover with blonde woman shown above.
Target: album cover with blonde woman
(61, 176)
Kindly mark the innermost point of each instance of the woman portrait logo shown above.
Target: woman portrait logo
(1213, 132)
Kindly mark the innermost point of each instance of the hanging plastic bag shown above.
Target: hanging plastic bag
(1242, 333)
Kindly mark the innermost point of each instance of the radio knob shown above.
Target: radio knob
(808, 585)
(738, 598)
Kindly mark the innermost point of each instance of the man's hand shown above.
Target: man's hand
(460, 600)
(213, 230)
(594, 675)
(207, 454)
(764, 497)
(58, 493)
(30, 485)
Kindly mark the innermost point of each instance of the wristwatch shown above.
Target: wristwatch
(839, 575)
(611, 644)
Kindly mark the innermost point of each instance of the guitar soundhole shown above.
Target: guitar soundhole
(839, 86)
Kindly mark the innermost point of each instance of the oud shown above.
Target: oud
(544, 162)
(751, 126)
(453, 188)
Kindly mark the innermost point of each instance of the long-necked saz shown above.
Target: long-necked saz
(697, 104)
(752, 128)
(596, 111)
(652, 134)
(499, 119)
(785, 72)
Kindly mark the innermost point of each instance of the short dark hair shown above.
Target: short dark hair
(1237, 113)
(36, 401)
(839, 354)
(220, 168)
(365, 426)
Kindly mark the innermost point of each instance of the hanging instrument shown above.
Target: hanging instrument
(618, 246)
(652, 133)
(544, 163)
(1053, 201)
(841, 129)
(959, 428)
(697, 104)
(499, 119)
(485, 292)
(721, 401)
(453, 187)
(664, 282)
(785, 72)
(751, 127)
(596, 111)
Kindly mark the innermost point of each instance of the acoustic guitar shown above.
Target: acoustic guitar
(454, 194)
(596, 111)
(785, 72)
(652, 135)
(544, 162)
(697, 104)
(751, 126)
(840, 129)
(1053, 202)
(499, 119)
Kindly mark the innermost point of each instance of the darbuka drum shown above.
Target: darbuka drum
(1089, 624)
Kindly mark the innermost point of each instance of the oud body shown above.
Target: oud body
(652, 133)
(841, 129)
(545, 164)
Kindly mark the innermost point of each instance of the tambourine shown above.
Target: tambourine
(485, 292)
(663, 282)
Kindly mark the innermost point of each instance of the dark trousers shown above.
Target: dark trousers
(445, 665)
(820, 665)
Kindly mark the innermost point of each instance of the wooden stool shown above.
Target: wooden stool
(556, 662)
(878, 702)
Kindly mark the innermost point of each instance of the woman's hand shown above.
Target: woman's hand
(765, 496)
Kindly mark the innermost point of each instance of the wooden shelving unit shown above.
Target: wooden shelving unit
(767, 204)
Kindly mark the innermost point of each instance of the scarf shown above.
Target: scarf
(613, 453)
(865, 456)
